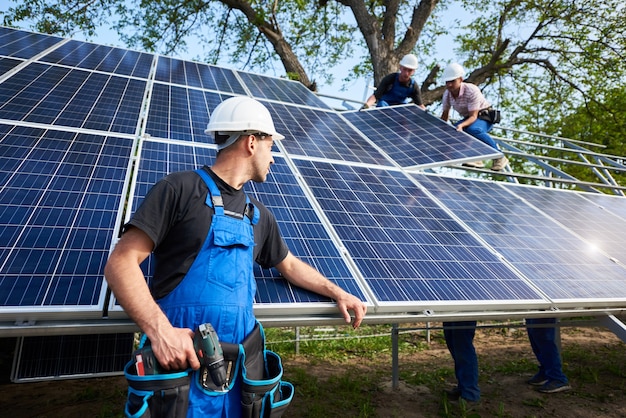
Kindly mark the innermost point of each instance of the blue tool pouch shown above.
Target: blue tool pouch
(268, 397)
(263, 393)
(156, 393)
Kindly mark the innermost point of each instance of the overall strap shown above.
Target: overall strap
(214, 200)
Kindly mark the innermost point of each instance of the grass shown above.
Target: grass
(346, 391)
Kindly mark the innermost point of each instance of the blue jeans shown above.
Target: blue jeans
(543, 343)
(460, 343)
(480, 130)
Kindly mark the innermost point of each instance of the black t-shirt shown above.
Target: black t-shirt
(174, 215)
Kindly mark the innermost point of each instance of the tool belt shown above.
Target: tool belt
(166, 395)
(490, 114)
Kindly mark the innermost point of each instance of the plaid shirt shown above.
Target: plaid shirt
(470, 98)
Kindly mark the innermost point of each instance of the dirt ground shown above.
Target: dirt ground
(595, 361)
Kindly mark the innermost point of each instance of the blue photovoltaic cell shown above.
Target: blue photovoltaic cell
(413, 137)
(74, 98)
(20, 44)
(101, 58)
(554, 259)
(7, 64)
(406, 246)
(194, 74)
(599, 227)
(181, 113)
(321, 134)
(614, 204)
(299, 224)
(59, 200)
(281, 90)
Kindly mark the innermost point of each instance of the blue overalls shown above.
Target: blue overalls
(218, 288)
(397, 95)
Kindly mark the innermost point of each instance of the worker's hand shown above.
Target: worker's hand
(348, 303)
(174, 349)
(459, 128)
(365, 106)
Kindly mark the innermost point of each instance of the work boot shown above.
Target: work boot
(474, 164)
(499, 163)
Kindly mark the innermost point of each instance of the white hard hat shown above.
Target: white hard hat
(409, 61)
(240, 115)
(452, 72)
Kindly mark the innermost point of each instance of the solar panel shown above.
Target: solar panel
(280, 89)
(554, 259)
(7, 64)
(75, 113)
(67, 356)
(414, 138)
(21, 44)
(181, 113)
(614, 204)
(194, 74)
(317, 133)
(101, 58)
(599, 228)
(60, 96)
(59, 200)
(409, 250)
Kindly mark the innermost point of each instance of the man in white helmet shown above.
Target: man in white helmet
(205, 233)
(396, 88)
(471, 104)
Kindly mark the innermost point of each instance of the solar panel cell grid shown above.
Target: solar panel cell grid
(321, 134)
(180, 113)
(7, 64)
(74, 98)
(20, 44)
(413, 137)
(614, 204)
(381, 222)
(303, 232)
(549, 255)
(282, 90)
(601, 229)
(58, 215)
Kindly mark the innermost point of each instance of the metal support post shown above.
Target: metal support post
(395, 378)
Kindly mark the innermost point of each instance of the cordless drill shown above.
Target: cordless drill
(210, 354)
(207, 348)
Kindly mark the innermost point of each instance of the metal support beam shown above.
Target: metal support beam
(615, 325)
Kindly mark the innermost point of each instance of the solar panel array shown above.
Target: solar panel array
(86, 129)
